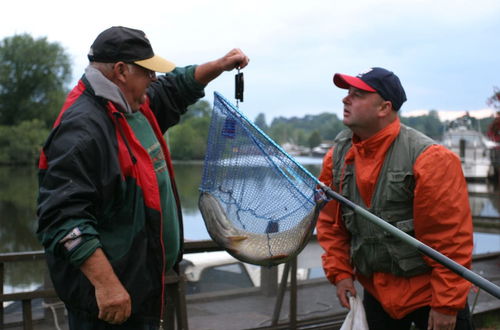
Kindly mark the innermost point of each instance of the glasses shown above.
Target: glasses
(149, 73)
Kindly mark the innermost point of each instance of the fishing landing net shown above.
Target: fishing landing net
(261, 205)
(256, 201)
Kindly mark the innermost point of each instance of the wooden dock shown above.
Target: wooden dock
(310, 304)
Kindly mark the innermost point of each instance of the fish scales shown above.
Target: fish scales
(265, 249)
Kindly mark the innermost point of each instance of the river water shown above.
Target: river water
(18, 221)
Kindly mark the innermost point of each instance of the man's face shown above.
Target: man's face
(138, 81)
(361, 111)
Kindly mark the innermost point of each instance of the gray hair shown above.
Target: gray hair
(105, 68)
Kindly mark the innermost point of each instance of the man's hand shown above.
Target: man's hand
(343, 287)
(439, 321)
(113, 301)
(207, 72)
(234, 59)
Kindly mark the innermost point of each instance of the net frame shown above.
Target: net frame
(232, 137)
(324, 190)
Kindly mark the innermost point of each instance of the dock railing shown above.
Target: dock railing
(176, 313)
(27, 296)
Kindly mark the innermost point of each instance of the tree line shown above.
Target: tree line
(308, 131)
(34, 74)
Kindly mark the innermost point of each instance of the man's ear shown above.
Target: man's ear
(385, 108)
(120, 71)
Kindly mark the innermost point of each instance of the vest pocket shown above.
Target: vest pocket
(407, 260)
(400, 186)
(348, 219)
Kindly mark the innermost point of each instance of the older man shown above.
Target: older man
(109, 213)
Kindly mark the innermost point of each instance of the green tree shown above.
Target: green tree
(200, 109)
(428, 124)
(33, 74)
(188, 139)
(301, 138)
(314, 139)
(280, 132)
(260, 121)
(327, 124)
(21, 144)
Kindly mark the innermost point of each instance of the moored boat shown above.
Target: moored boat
(473, 148)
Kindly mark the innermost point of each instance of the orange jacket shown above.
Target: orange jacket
(442, 220)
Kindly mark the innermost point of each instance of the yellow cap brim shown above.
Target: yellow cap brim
(157, 64)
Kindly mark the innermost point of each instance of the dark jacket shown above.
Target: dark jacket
(98, 188)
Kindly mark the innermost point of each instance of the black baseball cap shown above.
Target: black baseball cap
(120, 43)
(379, 80)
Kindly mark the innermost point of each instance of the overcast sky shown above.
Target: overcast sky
(446, 53)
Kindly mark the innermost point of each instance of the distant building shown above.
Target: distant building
(322, 149)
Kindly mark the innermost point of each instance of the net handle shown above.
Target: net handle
(460, 270)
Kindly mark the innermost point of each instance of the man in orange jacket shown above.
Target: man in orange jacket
(415, 184)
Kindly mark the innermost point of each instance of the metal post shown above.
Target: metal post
(27, 316)
(1, 291)
(281, 293)
(269, 281)
(293, 295)
(181, 305)
(169, 312)
(175, 316)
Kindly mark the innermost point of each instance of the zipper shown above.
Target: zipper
(163, 264)
(118, 115)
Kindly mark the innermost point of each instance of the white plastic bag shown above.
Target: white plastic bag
(356, 318)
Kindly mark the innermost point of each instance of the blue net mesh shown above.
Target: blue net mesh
(257, 202)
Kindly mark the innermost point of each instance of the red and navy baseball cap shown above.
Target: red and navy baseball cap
(378, 80)
(120, 43)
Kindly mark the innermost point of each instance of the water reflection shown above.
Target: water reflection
(17, 225)
(18, 201)
(19, 191)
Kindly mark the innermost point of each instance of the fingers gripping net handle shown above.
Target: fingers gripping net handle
(256, 201)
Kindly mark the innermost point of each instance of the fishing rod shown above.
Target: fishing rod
(460, 270)
(424, 249)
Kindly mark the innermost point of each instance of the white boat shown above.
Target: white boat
(473, 148)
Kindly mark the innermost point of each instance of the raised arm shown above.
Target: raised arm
(207, 72)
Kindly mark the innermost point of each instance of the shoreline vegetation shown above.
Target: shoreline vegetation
(309, 136)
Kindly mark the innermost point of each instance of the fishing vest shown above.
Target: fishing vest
(372, 248)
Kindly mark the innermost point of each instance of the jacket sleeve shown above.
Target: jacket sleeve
(332, 234)
(443, 221)
(170, 96)
(68, 194)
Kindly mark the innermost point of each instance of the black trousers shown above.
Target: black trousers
(378, 319)
(77, 323)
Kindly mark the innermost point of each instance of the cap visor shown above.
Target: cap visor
(157, 64)
(345, 81)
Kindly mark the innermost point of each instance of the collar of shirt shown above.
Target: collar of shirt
(368, 156)
(105, 88)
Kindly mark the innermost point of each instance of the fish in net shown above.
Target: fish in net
(256, 201)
